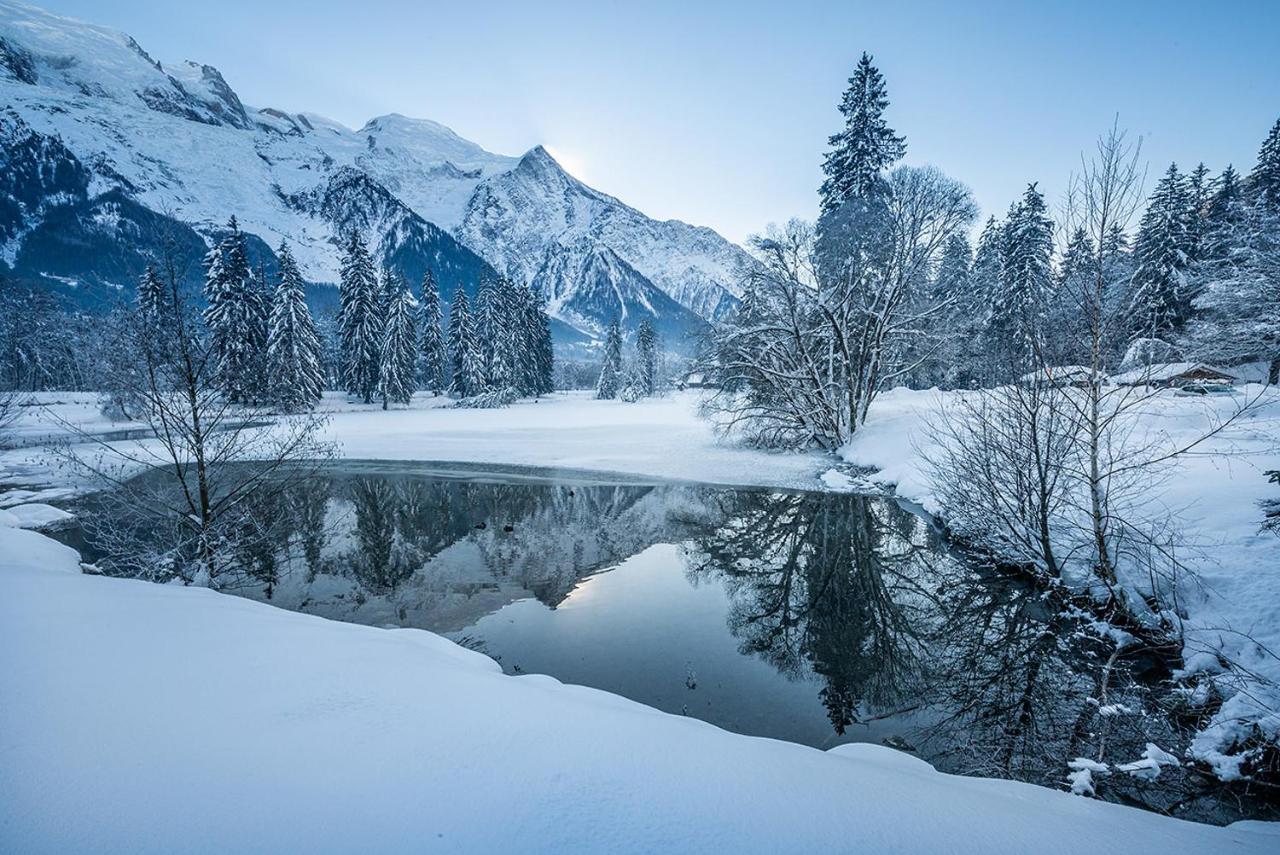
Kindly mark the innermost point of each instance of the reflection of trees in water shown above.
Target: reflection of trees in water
(826, 583)
(858, 592)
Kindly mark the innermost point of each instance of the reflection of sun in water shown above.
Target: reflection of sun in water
(571, 162)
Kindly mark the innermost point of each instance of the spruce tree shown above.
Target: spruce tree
(433, 359)
(1160, 303)
(152, 297)
(465, 357)
(611, 370)
(1264, 181)
(1199, 191)
(866, 146)
(236, 317)
(1026, 278)
(359, 320)
(398, 354)
(293, 346)
(647, 357)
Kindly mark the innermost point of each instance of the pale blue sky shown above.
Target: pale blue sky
(718, 113)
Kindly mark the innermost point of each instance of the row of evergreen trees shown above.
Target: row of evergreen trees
(267, 350)
(1165, 283)
(390, 343)
(637, 380)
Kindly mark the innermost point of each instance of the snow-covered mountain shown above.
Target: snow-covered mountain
(102, 148)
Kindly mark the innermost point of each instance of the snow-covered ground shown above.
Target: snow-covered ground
(658, 438)
(148, 718)
(1213, 493)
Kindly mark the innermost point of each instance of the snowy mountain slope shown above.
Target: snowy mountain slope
(587, 284)
(176, 140)
(516, 217)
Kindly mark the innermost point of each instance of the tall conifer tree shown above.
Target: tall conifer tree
(433, 362)
(293, 346)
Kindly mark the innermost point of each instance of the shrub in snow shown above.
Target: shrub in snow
(1148, 351)
(490, 400)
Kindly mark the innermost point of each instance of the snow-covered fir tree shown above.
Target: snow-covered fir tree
(294, 375)
(866, 146)
(433, 358)
(236, 317)
(956, 324)
(1199, 193)
(359, 320)
(1160, 300)
(646, 358)
(466, 361)
(152, 297)
(1026, 278)
(610, 380)
(398, 356)
(538, 355)
(1264, 180)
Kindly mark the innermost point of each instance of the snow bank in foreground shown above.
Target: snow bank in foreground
(148, 718)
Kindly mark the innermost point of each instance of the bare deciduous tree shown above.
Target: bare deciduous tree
(194, 515)
(826, 326)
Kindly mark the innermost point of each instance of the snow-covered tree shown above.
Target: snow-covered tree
(293, 347)
(1019, 306)
(359, 320)
(433, 357)
(866, 146)
(151, 296)
(1264, 181)
(398, 354)
(646, 358)
(1160, 301)
(1238, 305)
(236, 317)
(465, 358)
(611, 369)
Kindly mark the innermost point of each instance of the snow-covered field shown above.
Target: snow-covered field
(140, 717)
(657, 438)
(148, 718)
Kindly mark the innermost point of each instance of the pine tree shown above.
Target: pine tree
(541, 351)
(432, 373)
(399, 351)
(984, 276)
(465, 357)
(647, 358)
(1264, 181)
(152, 297)
(293, 346)
(1199, 191)
(1160, 302)
(236, 317)
(359, 320)
(611, 370)
(1026, 278)
(956, 323)
(866, 146)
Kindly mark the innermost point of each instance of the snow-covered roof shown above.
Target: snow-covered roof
(1058, 374)
(1162, 372)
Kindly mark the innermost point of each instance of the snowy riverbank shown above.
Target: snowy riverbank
(149, 718)
(1232, 608)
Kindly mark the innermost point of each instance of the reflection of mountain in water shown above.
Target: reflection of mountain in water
(439, 554)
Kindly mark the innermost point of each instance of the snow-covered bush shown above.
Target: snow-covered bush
(491, 400)
(1148, 351)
